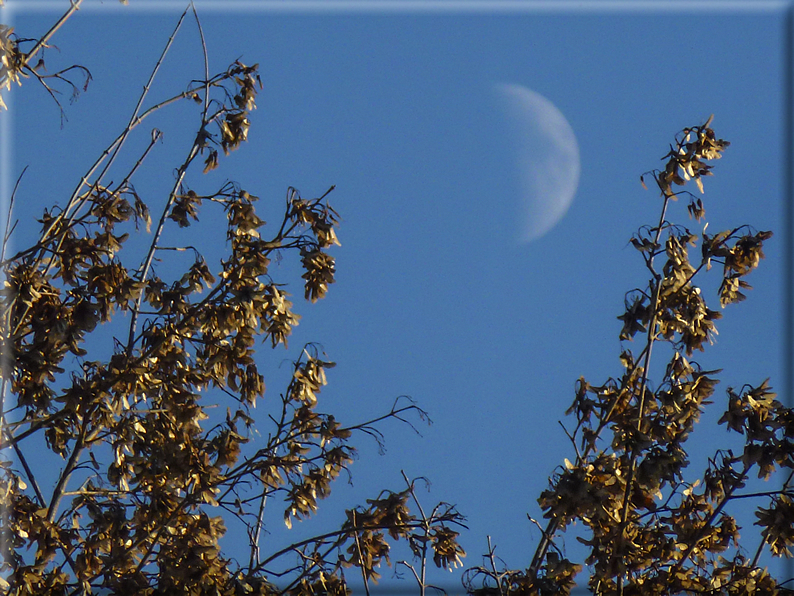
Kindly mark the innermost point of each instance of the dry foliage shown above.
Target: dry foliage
(149, 478)
(648, 531)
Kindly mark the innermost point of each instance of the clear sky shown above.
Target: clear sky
(437, 297)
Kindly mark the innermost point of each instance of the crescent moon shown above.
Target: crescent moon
(547, 156)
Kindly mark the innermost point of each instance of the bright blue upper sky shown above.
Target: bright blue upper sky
(435, 298)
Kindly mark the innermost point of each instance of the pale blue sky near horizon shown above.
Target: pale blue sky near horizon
(435, 297)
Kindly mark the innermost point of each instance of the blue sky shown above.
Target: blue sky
(436, 298)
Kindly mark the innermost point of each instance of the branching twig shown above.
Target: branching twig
(42, 42)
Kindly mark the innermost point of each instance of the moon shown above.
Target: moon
(547, 157)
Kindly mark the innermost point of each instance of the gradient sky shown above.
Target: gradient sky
(436, 298)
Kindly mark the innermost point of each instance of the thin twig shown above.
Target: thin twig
(259, 523)
(426, 528)
(206, 63)
(71, 464)
(141, 98)
(29, 473)
(9, 229)
(42, 42)
(763, 543)
(496, 574)
(360, 554)
(181, 172)
(572, 439)
(651, 338)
